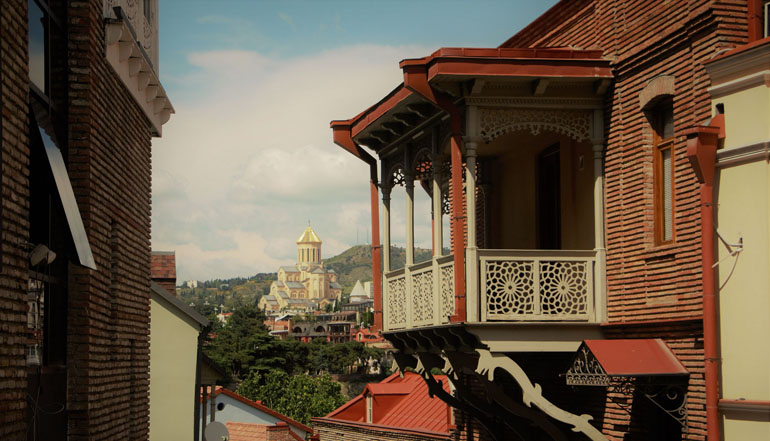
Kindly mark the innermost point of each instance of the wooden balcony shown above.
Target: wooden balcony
(507, 286)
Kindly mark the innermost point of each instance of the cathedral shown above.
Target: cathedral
(306, 285)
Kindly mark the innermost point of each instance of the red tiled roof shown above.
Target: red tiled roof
(261, 407)
(401, 403)
(163, 265)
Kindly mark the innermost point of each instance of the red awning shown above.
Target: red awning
(635, 357)
(602, 362)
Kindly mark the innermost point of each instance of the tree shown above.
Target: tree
(300, 397)
(240, 339)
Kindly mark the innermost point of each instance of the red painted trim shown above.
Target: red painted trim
(416, 79)
(376, 252)
(650, 323)
(518, 68)
(373, 113)
(342, 135)
(701, 151)
(748, 403)
(458, 227)
(755, 19)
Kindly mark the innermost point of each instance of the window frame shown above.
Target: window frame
(661, 145)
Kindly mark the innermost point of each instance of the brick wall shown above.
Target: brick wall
(646, 39)
(328, 430)
(653, 291)
(14, 155)
(109, 164)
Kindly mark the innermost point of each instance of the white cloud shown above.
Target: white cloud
(248, 159)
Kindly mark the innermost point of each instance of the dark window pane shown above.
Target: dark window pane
(37, 56)
(667, 122)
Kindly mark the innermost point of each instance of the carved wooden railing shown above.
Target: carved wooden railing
(536, 285)
(513, 285)
(420, 295)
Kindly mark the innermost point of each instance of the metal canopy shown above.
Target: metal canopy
(627, 366)
(67, 198)
(598, 360)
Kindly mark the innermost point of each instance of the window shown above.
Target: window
(662, 118)
(766, 10)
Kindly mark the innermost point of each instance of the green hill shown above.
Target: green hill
(355, 263)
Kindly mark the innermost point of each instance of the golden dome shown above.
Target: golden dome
(309, 236)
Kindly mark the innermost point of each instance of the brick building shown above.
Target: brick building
(81, 101)
(577, 301)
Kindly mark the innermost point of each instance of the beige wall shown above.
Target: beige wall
(513, 198)
(173, 357)
(743, 208)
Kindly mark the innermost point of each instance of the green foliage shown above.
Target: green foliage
(300, 397)
(239, 342)
(232, 293)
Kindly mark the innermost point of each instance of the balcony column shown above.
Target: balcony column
(409, 212)
(438, 244)
(471, 251)
(385, 227)
(600, 296)
(409, 237)
(438, 233)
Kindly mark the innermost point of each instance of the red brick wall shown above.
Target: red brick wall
(648, 283)
(646, 39)
(109, 164)
(14, 154)
(329, 431)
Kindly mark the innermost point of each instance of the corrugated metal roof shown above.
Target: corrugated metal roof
(404, 403)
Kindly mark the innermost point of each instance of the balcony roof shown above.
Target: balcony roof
(451, 70)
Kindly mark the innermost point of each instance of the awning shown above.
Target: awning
(66, 196)
(597, 362)
(628, 366)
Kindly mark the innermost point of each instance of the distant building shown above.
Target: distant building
(224, 316)
(307, 285)
(192, 284)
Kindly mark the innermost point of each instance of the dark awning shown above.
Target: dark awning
(67, 198)
(598, 362)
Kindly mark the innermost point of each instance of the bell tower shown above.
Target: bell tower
(309, 248)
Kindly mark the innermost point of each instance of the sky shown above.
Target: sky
(248, 159)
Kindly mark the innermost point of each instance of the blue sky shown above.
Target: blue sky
(247, 160)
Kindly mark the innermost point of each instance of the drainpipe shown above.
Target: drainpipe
(416, 80)
(343, 138)
(701, 151)
(755, 16)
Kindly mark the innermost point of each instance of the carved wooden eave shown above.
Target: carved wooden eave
(131, 63)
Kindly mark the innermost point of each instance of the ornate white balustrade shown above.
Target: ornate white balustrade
(536, 285)
(514, 285)
(420, 295)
